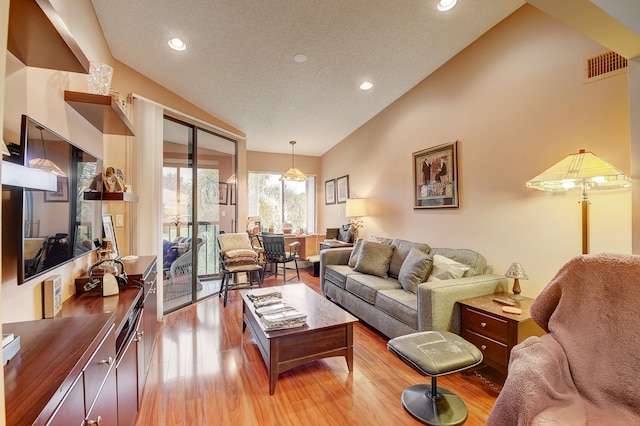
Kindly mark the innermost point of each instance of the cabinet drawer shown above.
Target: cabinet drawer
(486, 325)
(98, 367)
(493, 352)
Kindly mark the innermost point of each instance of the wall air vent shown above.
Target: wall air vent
(605, 65)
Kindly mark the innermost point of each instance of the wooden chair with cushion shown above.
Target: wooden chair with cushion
(237, 255)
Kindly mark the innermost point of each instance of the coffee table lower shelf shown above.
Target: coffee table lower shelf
(327, 333)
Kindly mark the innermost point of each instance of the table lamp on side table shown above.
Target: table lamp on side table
(516, 271)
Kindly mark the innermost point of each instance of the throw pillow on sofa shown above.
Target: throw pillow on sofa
(414, 269)
(445, 268)
(374, 258)
(353, 258)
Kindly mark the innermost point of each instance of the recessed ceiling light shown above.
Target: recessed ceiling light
(366, 85)
(444, 5)
(300, 58)
(177, 44)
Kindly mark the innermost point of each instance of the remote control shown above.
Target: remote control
(511, 310)
(504, 301)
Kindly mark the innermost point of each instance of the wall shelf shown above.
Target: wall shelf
(111, 196)
(39, 38)
(101, 111)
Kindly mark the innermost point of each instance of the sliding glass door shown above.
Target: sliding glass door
(199, 193)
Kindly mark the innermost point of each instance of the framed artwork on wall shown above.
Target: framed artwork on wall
(342, 184)
(223, 193)
(330, 192)
(61, 194)
(435, 177)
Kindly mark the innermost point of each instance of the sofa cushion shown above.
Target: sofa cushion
(337, 274)
(445, 268)
(415, 269)
(366, 286)
(355, 252)
(374, 258)
(475, 260)
(403, 248)
(382, 240)
(400, 304)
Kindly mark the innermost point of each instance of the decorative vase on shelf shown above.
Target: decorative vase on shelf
(99, 79)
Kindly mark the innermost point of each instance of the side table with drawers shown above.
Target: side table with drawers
(495, 332)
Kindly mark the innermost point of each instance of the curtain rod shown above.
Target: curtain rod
(189, 117)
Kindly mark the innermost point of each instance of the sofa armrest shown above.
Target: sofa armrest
(334, 256)
(437, 307)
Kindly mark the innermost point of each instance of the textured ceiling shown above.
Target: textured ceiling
(239, 66)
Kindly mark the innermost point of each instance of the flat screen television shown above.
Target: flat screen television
(46, 229)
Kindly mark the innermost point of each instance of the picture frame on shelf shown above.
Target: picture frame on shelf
(61, 194)
(223, 193)
(342, 189)
(109, 233)
(330, 192)
(435, 177)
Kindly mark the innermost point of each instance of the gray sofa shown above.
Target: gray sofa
(354, 279)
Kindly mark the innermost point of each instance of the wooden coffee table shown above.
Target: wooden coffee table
(328, 332)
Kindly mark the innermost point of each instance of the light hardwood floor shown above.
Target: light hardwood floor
(205, 371)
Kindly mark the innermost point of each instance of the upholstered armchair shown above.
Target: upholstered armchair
(584, 371)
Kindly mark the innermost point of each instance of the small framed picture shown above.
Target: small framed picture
(435, 177)
(109, 233)
(330, 192)
(342, 184)
(61, 194)
(223, 193)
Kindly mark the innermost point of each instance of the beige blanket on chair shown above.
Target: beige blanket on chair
(586, 370)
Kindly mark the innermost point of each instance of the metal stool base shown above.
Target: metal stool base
(446, 409)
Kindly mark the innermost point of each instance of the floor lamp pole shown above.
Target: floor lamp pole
(585, 219)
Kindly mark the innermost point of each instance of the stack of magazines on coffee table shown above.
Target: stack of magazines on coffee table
(274, 314)
(264, 297)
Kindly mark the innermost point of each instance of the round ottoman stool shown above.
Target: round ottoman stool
(435, 353)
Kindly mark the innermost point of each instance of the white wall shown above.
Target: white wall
(517, 102)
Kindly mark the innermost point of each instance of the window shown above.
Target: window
(276, 202)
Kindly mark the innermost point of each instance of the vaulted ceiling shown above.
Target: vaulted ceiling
(239, 62)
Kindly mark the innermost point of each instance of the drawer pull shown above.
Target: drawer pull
(483, 347)
(107, 361)
(483, 324)
(95, 422)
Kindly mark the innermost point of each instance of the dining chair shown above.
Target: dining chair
(276, 252)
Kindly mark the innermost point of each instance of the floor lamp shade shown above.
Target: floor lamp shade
(582, 171)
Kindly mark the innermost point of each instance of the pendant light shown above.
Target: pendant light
(293, 174)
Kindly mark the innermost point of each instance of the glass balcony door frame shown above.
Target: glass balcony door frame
(207, 229)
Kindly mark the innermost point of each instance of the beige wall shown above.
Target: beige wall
(516, 101)
(39, 94)
(280, 163)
